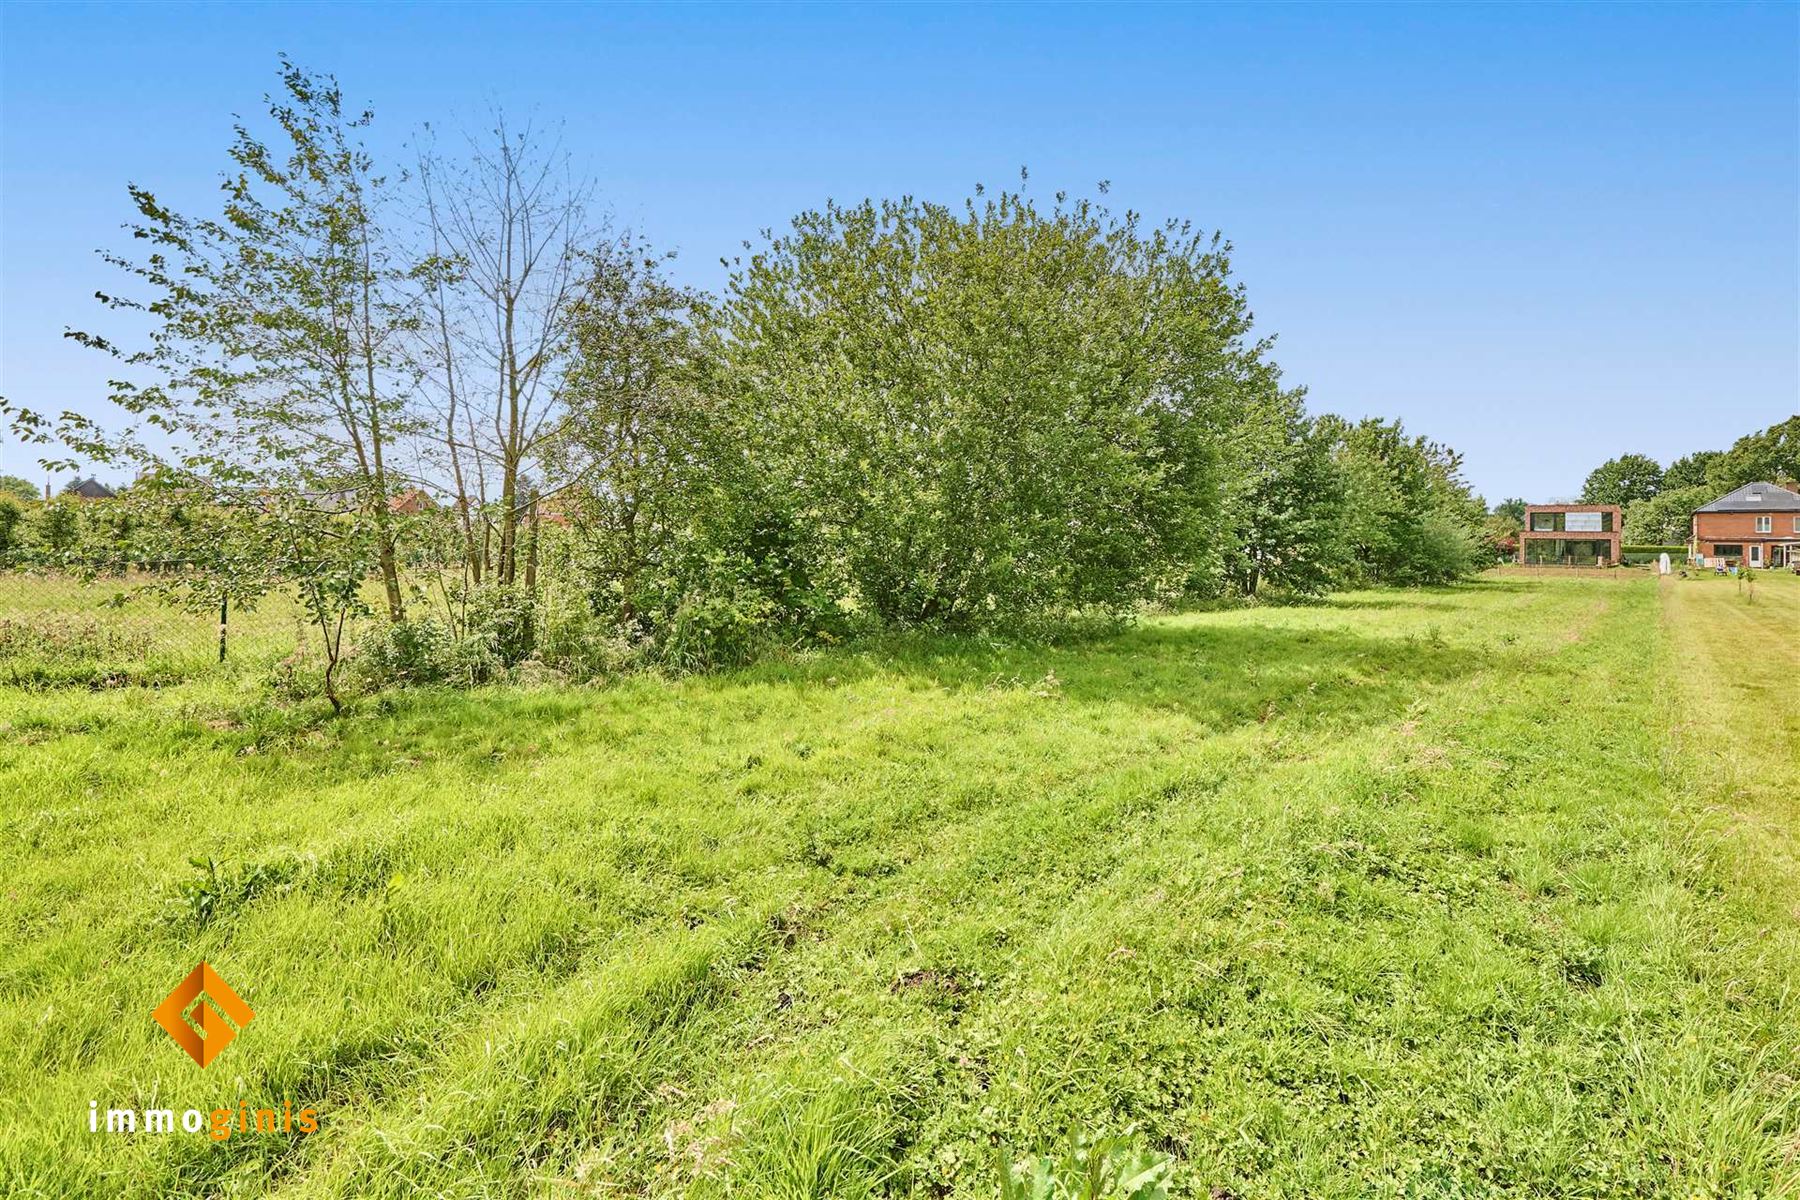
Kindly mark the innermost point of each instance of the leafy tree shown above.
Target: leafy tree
(1500, 530)
(1408, 513)
(1693, 470)
(18, 488)
(282, 329)
(632, 430)
(1622, 480)
(1770, 455)
(109, 530)
(1499, 536)
(1664, 519)
(1512, 511)
(984, 413)
(1287, 523)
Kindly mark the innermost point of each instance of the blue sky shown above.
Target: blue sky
(1543, 234)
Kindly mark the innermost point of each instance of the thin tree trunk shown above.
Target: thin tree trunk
(531, 545)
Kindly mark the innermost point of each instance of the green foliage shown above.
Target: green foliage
(1639, 555)
(1287, 506)
(502, 618)
(275, 369)
(576, 641)
(986, 413)
(419, 649)
(11, 541)
(1444, 549)
(219, 890)
(13, 487)
(1408, 515)
(1693, 471)
(1770, 455)
(1622, 480)
(821, 1144)
(729, 608)
(1500, 530)
(57, 527)
(1665, 518)
(638, 436)
(998, 415)
(49, 647)
(1090, 1168)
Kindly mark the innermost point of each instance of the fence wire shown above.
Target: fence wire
(67, 625)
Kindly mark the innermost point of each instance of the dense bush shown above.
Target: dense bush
(1409, 517)
(1650, 554)
(1666, 517)
(12, 515)
(987, 413)
(421, 649)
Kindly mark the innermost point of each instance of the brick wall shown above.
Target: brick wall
(1739, 529)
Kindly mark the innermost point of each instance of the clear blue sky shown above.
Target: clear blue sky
(1543, 234)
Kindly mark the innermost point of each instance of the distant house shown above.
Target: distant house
(1756, 526)
(1571, 535)
(555, 509)
(89, 489)
(413, 500)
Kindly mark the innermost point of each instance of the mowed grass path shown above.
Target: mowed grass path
(1481, 891)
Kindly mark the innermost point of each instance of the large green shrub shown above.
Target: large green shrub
(1408, 516)
(987, 412)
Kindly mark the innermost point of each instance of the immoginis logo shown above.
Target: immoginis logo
(216, 1016)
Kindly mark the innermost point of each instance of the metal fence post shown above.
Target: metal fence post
(224, 614)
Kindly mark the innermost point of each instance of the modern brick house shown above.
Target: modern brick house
(1756, 526)
(1571, 535)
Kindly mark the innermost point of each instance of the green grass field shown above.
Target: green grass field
(1493, 890)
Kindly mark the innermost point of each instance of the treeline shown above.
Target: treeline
(896, 413)
(1659, 501)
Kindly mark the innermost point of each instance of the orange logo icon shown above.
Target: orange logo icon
(203, 1030)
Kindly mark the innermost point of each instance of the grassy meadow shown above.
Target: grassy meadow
(1491, 890)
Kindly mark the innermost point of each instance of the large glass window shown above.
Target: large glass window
(1577, 552)
(1571, 522)
(1728, 549)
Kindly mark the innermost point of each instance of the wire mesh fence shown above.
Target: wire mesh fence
(66, 620)
(69, 625)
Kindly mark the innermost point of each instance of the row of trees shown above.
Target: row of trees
(1658, 501)
(898, 412)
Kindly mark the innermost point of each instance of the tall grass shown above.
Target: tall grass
(1412, 893)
